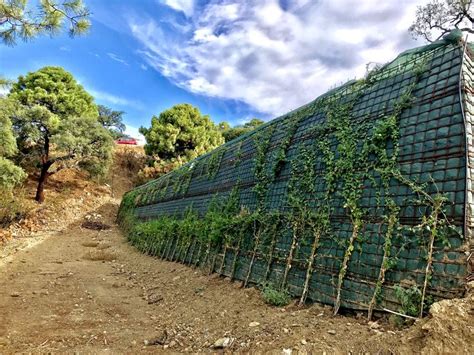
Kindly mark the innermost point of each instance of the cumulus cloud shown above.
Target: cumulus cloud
(185, 6)
(275, 55)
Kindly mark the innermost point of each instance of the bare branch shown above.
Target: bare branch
(439, 17)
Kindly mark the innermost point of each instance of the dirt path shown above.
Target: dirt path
(90, 292)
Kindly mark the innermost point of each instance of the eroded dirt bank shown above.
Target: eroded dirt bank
(89, 291)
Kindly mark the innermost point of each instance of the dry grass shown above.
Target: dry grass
(14, 207)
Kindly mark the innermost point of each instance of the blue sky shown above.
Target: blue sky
(233, 59)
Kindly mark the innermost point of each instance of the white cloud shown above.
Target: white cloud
(65, 48)
(134, 133)
(271, 56)
(115, 57)
(185, 6)
(143, 67)
(114, 100)
(4, 91)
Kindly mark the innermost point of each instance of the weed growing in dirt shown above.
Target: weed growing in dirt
(410, 299)
(274, 296)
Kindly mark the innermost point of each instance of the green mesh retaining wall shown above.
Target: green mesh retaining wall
(291, 164)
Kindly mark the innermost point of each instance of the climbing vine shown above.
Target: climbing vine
(342, 155)
(214, 162)
(262, 141)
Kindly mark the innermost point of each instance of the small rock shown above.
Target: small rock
(154, 298)
(286, 330)
(5, 341)
(222, 343)
(160, 340)
(303, 342)
(254, 324)
(374, 325)
(332, 332)
(286, 351)
(176, 278)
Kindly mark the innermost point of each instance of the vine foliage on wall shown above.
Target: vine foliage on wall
(345, 153)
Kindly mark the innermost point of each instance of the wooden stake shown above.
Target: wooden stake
(198, 255)
(236, 255)
(270, 257)
(221, 268)
(213, 265)
(191, 243)
(343, 269)
(309, 270)
(380, 282)
(155, 249)
(191, 259)
(289, 260)
(165, 246)
(254, 252)
(392, 220)
(160, 248)
(174, 249)
(180, 251)
(206, 256)
(429, 262)
(170, 248)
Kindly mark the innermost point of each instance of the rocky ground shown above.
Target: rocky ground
(89, 291)
(68, 288)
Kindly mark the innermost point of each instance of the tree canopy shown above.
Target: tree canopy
(19, 21)
(10, 174)
(181, 133)
(57, 125)
(111, 120)
(439, 17)
(56, 90)
(230, 133)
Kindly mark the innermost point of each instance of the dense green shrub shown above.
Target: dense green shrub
(274, 296)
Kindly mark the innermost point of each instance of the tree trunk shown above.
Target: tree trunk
(45, 165)
(42, 181)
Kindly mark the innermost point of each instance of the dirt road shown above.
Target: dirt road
(89, 291)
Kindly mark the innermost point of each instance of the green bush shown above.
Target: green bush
(274, 296)
(410, 300)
